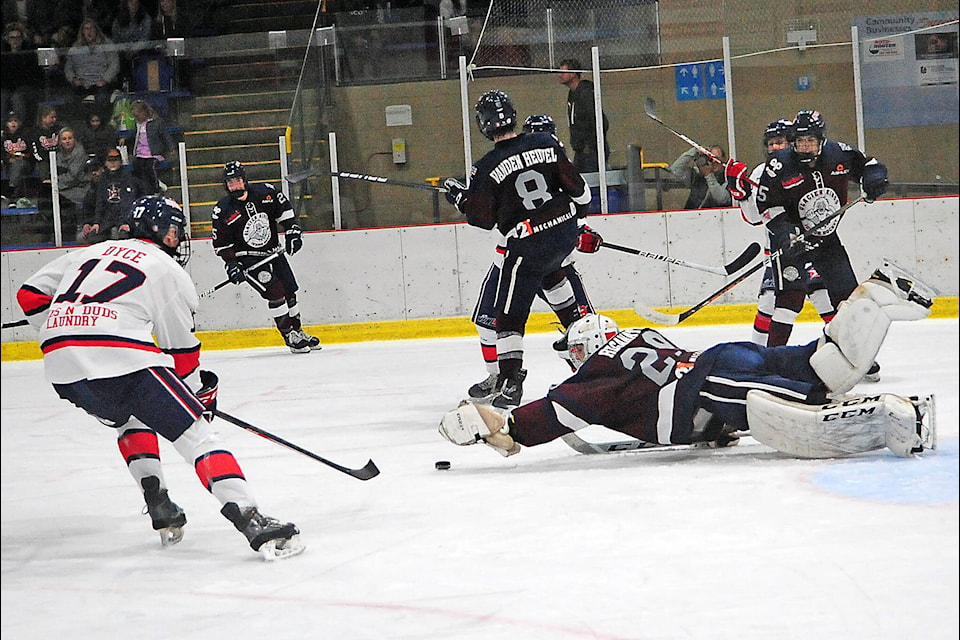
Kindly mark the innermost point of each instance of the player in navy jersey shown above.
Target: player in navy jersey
(638, 382)
(246, 228)
(528, 190)
(810, 181)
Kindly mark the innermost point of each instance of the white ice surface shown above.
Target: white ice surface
(739, 544)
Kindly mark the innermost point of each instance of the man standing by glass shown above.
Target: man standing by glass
(582, 118)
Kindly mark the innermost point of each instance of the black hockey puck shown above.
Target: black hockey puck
(442, 465)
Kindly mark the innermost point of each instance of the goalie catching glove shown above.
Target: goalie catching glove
(294, 239)
(588, 241)
(471, 423)
(737, 181)
(455, 191)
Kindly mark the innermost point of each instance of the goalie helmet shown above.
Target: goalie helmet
(587, 335)
(150, 219)
(496, 114)
(234, 169)
(540, 123)
(808, 123)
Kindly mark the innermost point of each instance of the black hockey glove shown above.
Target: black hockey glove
(874, 180)
(455, 191)
(294, 239)
(588, 241)
(208, 393)
(235, 272)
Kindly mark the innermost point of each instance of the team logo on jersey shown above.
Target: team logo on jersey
(816, 206)
(264, 276)
(840, 171)
(790, 274)
(256, 232)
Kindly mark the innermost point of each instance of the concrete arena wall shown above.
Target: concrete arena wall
(410, 273)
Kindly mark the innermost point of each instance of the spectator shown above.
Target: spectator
(582, 118)
(131, 29)
(22, 76)
(86, 216)
(116, 192)
(44, 139)
(72, 13)
(17, 160)
(147, 144)
(72, 180)
(92, 66)
(705, 176)
(171, 22)
(96, 136)
(35, 16)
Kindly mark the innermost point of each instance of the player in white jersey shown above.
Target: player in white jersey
(116, 322)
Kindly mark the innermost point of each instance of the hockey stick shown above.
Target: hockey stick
(17, 323)
(365, 472)
(256, 265)
(580, 445)
(740, 262)
(667, 319)
(300, 176)
(651, 108)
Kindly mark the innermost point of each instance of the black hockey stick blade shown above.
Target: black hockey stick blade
(16, 323)
(365, 472)
(743, 259)
(667, 319)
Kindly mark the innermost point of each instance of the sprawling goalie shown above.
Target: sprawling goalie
(792, 398)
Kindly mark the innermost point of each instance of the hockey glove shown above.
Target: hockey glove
(588, 241)
(455, 191)
(737, 183)
(294, 238)
(874, 180)
(208, 393)
(235, 272)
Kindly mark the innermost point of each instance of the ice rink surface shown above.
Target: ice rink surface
(741, 544)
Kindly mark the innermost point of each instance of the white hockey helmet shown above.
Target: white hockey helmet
(587, 335)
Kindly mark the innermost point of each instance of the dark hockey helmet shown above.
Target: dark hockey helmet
(540, 123)
(151, 217)
(496, 114)
(808, 123)
(234, 169)
(781, 128)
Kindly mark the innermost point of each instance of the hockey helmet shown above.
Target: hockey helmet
(808, 123)
(496, 114)
(234, 169)
(540, 123)
(587, 335)
(781, 128)
(151, 217)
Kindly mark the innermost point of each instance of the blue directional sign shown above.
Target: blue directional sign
(704, 80)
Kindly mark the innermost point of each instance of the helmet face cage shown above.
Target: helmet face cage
(540, 123)
(587, 335)
(808, 123)
(234, 169)
(496, 114)
(781, 128)
(151, 217)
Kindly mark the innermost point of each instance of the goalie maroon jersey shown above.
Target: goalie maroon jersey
(523, 182)
(641, 384)
(250, 227)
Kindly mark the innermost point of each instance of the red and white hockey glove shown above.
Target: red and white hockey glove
(589, 240)
(737, 180)
(208, 393)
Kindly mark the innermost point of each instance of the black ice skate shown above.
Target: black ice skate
(266, 535)
(167, 518)
(484, 388)
(298, 341)
(873, 374)
(511, 391)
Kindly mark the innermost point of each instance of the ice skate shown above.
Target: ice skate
(511, 391)
(312, 341)
(484, 388)
(873, 374)
(298, 341)
(167, 518)
(266, 535)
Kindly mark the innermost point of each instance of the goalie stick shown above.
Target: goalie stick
(580, 445)
(668, 319)
(740, 262)
(651, 109)
(300, 176)
(365, 472)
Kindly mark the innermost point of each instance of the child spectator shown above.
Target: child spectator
(147, 145)
(17, 160)
(97, 136)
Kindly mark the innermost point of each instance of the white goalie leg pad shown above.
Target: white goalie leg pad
(899, 293)
(471, 423)
(856, 425)
(855, 336)
(911, 427)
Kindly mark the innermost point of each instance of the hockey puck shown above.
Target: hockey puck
(442, 465)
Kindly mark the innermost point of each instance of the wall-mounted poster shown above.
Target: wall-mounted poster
(909, 69)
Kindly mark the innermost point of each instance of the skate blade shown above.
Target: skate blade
(281, 548)
(170, 536)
